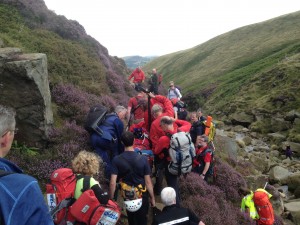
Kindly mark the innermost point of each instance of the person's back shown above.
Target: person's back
(21, 201)
(173, 214)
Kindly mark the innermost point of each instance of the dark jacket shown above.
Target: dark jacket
(21, 202)
(176, 215)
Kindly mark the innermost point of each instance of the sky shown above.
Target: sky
(159, 27)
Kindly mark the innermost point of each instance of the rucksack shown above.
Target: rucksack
(95, 117)
(264, 207)
(59, 191)
(182, 152)
(87, 209)
(210, 128)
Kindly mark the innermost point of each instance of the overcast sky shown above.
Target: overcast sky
(158, 27)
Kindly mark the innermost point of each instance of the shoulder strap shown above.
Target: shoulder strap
(86, 181)
(132, 172)
(137, 106)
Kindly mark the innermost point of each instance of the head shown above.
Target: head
(7, 129)
(156, 110)
(127, 138)
(201, 141)
(193, 117)
(168, 196)
(171, 84)
(154, 71)
(243, 191)
(138, 69)
(86, 163)
(166, 123)
(121, 111)
(199, 112)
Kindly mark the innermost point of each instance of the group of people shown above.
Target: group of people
(125, 169)
(155, 115)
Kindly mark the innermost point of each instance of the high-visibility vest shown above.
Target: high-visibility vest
(247, 202)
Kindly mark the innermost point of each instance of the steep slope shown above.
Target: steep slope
(73, 56)
(219, 72)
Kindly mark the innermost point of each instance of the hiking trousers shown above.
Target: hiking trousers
(140, 217)
(172, 181)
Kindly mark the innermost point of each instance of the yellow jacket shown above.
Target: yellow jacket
(247, 202)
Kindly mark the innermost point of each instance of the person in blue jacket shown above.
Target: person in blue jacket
(108, 145)
(21, 201)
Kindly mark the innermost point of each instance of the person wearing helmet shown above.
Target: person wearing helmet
(171, 213)
(134, 171)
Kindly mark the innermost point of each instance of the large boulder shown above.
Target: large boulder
(278, 173)
(294, 209)
(279, 124)
(242, 118)
(261, 163)
(25, 87)
(293, 181)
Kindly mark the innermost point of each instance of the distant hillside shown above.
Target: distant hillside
(135, 61)
(256, 66)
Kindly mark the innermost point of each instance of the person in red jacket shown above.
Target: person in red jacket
(167, 110)
(203, 163)
(137, 75)
(170, 126)
(136, 108)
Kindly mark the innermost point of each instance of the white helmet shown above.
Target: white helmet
(133, 205)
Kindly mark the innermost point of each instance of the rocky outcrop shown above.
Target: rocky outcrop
(24, 86)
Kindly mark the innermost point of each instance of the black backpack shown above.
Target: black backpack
(95, 117)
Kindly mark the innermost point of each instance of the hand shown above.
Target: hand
(152, 201)
(151, 95)
(202, 176)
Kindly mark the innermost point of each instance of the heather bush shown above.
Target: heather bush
(115, 82)
(69, 132)
(228, 180)
(108, 101)
(75, 103)
(210, 202)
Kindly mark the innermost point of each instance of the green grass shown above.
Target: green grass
(68, 61)
(238, 64)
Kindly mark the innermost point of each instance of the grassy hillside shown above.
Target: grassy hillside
(73, 56)
(242, 69)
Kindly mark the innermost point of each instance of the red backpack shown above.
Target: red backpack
(86, 209)
(264, 208)
(59, 192)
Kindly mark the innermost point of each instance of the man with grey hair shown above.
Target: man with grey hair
(172, 214)
(109, 144)
(21, 199)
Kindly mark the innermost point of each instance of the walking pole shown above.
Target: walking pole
(265, 185)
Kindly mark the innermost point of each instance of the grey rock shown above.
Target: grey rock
(25, 87)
